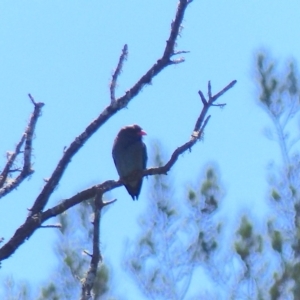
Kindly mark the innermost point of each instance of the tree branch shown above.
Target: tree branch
(96, 257)
(117, 73)
(34, 222)
(109, 111)
(8, 184)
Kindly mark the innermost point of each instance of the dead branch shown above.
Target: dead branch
(110, 110)
(117, 73)
(96, 257)
(8, 184)
(34, 222)
(37, 216)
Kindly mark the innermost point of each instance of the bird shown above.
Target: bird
(130, 154)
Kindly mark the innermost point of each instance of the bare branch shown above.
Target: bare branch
(34, 222)
(11, 159)
(109, 111)
(15, 170)
(180, 52)
(202, 98)
(51, 226)
(96, 257)
(87, 253)
(7, 185)
(161, 63)
(117, 72)
(226, 88)
(105, 203)
(210, 102)
(209, 90)
(175, 29)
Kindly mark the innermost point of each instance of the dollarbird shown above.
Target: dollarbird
(130, 154)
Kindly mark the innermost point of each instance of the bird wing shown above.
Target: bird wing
(129, 159)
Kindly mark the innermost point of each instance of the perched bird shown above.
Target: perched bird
(130, 154)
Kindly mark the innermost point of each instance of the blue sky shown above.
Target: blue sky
(64, 52)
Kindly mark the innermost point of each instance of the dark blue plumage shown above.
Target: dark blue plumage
(130, 154)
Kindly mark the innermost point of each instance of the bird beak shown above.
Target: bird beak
(142, 132)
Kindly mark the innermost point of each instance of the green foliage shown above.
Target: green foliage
(201, 209)
(174, 241)
(247, 242)
(279, 94)
(275, 195)
(253, 267)
(179, 239)
(76, 235)
(101, 286)
(267, 82)
(50, 292)
(13, 290)
(277, 241)
(65, 283)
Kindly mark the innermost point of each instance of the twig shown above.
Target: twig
(8, 185)
(51, 226)
(161, 63)
(180, 52)
(11, 159)
(117, 73)
(210, 102)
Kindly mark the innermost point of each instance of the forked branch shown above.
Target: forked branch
(113, 108)
(33, 223)
(37, 214)
(7, 183)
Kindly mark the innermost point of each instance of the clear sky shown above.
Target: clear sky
(64, 52)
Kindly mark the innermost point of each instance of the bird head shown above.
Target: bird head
(131, 133)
